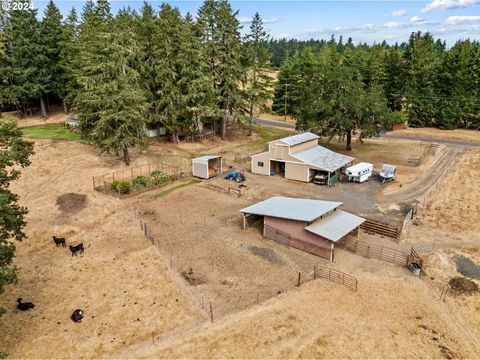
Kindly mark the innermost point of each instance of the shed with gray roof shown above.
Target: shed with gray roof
(310, 225)
(207, 166)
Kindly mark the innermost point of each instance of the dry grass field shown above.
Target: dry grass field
(125, 290)
(392, 315)
(457, 134)
(56, 116)
(137, 306)
(451, 212)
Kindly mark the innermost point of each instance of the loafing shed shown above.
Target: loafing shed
(206, 167)
(310, 225)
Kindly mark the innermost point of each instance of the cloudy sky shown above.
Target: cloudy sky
(364, 21)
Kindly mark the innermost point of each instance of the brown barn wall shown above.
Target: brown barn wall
(298, 237)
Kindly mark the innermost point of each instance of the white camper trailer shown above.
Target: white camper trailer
(359, 172)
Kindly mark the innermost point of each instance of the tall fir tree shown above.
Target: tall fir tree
(68, 85)
(421, 64)
(28, 57)
(221, 36)
(50, 34)
(7, 96)
(197, 101)
(258, 73)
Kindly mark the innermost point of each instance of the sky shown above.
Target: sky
(364, 21)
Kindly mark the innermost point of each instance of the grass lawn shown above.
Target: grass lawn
(265, 134)
(50, 131)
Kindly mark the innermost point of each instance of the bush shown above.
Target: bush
(121, 186)
(158, 178)
(139, 181)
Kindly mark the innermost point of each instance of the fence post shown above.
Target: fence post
(93, 179)
(145, 228)
(299, 277)
(211, 312)
(368, 252)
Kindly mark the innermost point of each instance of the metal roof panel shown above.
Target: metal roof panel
(335, 225)
(292, 208)
(323, 158)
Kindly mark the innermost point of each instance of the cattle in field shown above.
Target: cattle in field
(59, 241)
(76, 248)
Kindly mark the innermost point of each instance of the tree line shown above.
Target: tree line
(336, 89)
(130, 71)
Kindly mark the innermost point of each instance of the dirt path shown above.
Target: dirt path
(422, 185)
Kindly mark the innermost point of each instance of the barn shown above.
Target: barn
(310, 225)
(205, 167)
(299, 157)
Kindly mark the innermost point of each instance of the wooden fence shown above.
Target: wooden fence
(374, 251)
(385, 229)
(104, 182)
(335, 276)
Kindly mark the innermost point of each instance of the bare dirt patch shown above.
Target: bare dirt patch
(71, 202)
(463, 286)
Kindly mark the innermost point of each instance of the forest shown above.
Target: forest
(154, 68)
(334, 87)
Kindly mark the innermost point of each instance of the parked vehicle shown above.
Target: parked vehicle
(320, 179)
(359, 172)
(235, 176)
(388, 173)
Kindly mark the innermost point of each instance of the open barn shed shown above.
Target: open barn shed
(205, 167)
(310, 225)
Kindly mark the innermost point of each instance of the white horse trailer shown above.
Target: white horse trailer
(359, 172)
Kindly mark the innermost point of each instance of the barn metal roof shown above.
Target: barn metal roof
(299, 138)
(292, 208)
(206, 158)
(323, 158)
(335, 225)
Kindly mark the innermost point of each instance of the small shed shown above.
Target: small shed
(205, 167)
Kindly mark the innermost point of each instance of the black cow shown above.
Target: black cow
(76, 248)
(24, 306)
(59, 241)
(77, 315)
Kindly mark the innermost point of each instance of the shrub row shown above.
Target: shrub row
(156, 178)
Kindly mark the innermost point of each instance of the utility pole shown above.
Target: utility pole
(286, 95)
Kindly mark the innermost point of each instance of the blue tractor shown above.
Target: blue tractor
(235, 176)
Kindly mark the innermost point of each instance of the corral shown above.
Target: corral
(144, 300)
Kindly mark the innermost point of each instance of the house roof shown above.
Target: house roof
(323, 158)
(299, 138)
(206, 158)
(292, 208)
(335, 225)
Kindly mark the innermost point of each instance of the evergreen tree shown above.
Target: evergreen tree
(14, 155)
(421, 62)
(28, 57)
(167, 43)
(458, 86)
(50, 34)
(220, 34)
(197, 101)
(110, 98)
(146, 27)
(258, 77)
(68, 86)
(7, 96)
(394, 78)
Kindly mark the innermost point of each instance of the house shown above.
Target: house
(299, 157)
(310, 225)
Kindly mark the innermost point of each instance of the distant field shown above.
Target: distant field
(457, 134)
(50, 131)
